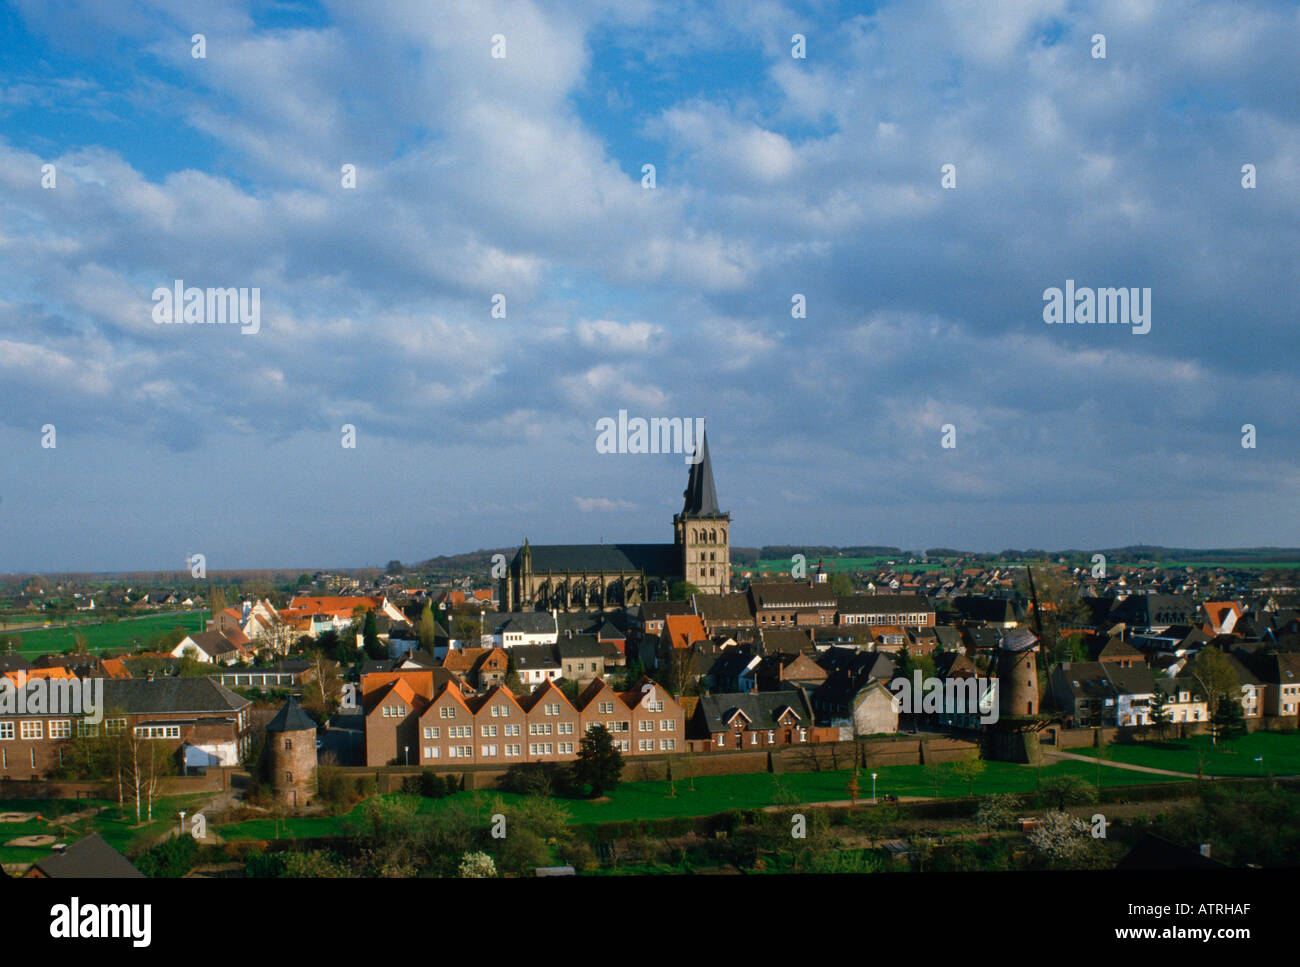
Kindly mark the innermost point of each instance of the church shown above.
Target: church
(590, 577)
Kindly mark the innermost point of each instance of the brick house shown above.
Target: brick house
(741, 721)
(446, 729)
(552, 733)
(178, 712)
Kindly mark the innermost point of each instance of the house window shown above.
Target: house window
(31, 729)
(432, 752)
(771, 735)
(6, 730)
(667, 745)
(86, 730)
(447, 712)
(432, 732)
(606, 708)
(114, 726)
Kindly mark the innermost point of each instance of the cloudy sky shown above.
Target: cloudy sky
(523, 175)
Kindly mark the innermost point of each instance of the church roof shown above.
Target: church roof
(701, 495)
(658, 560)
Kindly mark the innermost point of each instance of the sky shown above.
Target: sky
(522, 176)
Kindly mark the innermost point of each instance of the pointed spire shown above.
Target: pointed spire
(701, 495)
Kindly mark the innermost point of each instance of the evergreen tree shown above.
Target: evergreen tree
(599, 763)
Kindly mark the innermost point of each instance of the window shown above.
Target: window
(566, 728)
(512, 750)
(432, 732)
(488, 731)
(771, 735)
(432, 752)
(288, 743)
(447, 712)
(114, 726)
(86, 730)
(654, 706)
(667, 745)
(666, 725)
(488, 750)
(513, 729)
(553, 709)
(646, 745)
(6, 730)
(566, 748)
(606, 708)
(31, 729)
(158, 731)
(645, 725)
(461, 752)
(722, 740)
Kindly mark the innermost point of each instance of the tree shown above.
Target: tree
(1161, 713)
(1227, 719)
(1059, 836)
(426, 629)
(841, 584)
(1066, 790)
(370, 637)
(1217, 676)
(994, 812)
(394, 568)
(681, 591)
(217, 600)
(322, 694)
(477, 865)
(599, 763)
(969, 770)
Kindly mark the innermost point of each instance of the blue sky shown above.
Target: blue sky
(522, 176)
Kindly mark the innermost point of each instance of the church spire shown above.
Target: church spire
(701, 495)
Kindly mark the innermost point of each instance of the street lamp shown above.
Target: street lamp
(407, 752)
(873, 787)
(182, 822)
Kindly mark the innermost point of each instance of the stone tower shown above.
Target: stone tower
(701, 531)
(291, 744)
(1018, 674)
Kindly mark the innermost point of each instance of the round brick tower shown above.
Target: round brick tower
(1018, 674)
(291, 743)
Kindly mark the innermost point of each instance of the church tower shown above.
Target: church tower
(702, 532)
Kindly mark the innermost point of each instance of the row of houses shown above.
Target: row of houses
(418, 717)
(1114, 692)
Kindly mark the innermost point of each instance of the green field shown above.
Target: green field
(119, 830)
(1235, 757)
(717, 794)
(124, 634)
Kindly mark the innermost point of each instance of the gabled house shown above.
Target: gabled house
(743, 721)
(552, 733)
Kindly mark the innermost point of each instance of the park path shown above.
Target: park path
(1055, 754)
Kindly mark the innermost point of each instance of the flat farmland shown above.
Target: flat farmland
(123, 634)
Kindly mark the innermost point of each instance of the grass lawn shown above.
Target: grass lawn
(717, 794)
(124, 634)
(119, 831)
(1235, 757)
